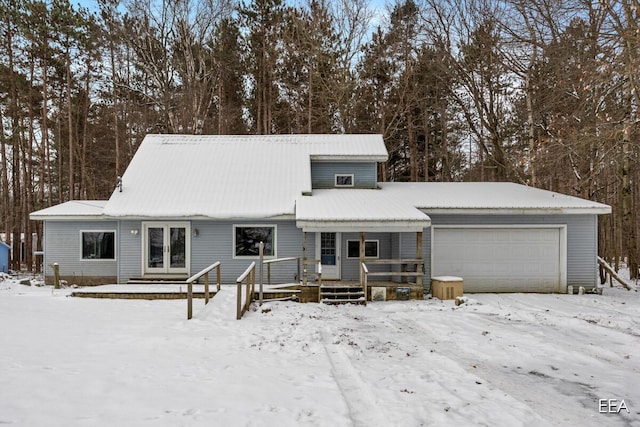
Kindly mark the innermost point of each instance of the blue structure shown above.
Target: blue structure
(4, 257)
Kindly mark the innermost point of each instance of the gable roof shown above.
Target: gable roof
(267, 176)
(221, 177)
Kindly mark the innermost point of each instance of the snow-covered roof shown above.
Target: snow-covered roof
(403, 206)
(81, 209)
(358, 210)
(489, 197)
(258, 176)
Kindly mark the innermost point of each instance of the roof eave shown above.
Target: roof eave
(345, 226)
(350, 158)
(36, 217)
(600, 210)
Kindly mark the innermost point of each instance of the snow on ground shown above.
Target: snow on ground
(498, 360)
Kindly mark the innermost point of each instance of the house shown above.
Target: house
(187, 201)
(5, 250)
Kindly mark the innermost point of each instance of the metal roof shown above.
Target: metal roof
(489, 198)
(358, 210)
(257, 176)
(187, 176)
(83, 209)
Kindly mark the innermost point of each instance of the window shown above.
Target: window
(98, 245)
(247, 238)
(370, 249)
(344, 180)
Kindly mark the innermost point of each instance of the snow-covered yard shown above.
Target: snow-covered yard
(499, 360)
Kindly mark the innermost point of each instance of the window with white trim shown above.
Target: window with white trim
(344, 180)
(98, 245)
(370, 249)
(247, 238)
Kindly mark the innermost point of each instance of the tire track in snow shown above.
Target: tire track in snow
(364, 408)
(558, 395)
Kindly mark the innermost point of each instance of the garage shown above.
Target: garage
(502, 259)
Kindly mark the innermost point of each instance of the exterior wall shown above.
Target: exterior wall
(130, 246)
(365, 174)
(350, 267)
(62, 245)
(582, 240)
(214, 242)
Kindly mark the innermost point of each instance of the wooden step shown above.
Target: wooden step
(342, 294)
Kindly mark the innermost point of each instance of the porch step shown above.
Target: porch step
(156, 281)
(342, 294)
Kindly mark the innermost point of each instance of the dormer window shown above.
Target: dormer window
(344, 180)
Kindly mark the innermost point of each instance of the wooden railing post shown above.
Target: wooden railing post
(298, 270)
(206, 288)
(419, 267)
(304, 258)
(56, 275)
(261, 252)
(189, 300)
(239, 300)
(218, 277)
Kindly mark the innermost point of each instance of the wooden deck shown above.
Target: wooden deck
(148, 292)
(308, 293)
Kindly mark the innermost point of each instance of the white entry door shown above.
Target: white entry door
(328, 248)
(166, 248)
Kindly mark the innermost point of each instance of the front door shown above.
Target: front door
(166, 248)
(328, 247)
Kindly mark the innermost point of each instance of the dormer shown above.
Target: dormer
(343, 174)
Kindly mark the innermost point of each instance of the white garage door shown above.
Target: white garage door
(500, 259)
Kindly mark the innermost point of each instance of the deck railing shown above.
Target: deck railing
(404, 274)
(248, 278)
(268, 264)
(204, 272)
(274, 261)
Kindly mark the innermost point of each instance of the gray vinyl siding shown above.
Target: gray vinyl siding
(365, 174)
(582, 240)
(213, 243)
(350, 265)
(62, 245)
(130, 264)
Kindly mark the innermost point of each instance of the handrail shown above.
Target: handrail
(271, 261)
(204, 272)
(246, 272)
(249, 276)
(268, 263)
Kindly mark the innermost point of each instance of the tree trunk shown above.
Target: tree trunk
(72, 184)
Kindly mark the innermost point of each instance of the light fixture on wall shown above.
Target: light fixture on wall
(134, 231)
(195, 232)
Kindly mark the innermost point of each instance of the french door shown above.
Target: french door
(166, 248)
